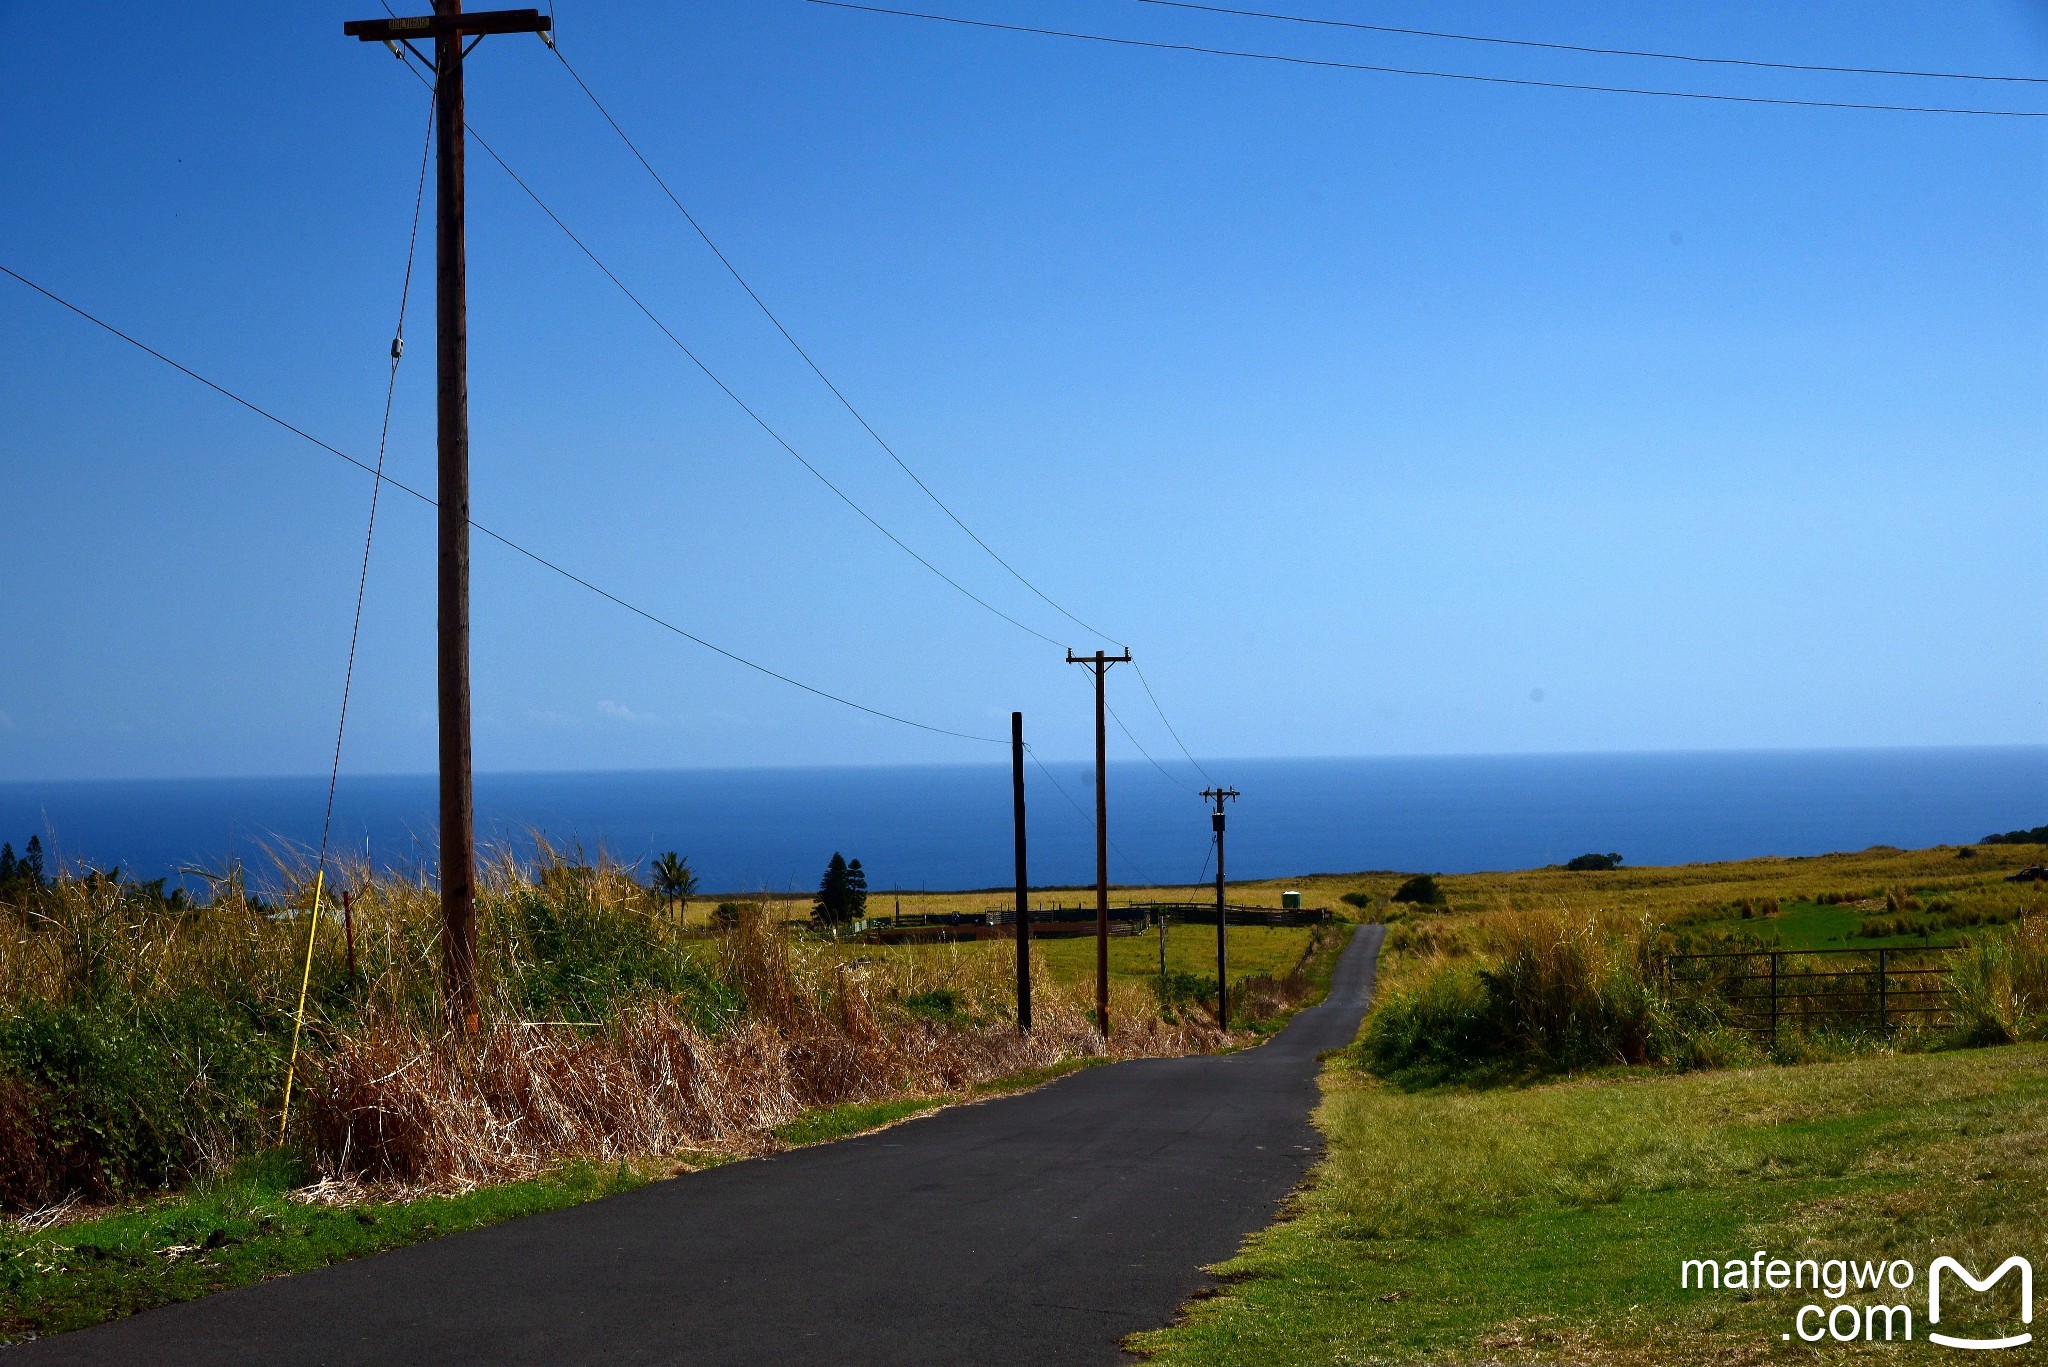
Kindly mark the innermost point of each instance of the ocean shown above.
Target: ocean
(948, 827)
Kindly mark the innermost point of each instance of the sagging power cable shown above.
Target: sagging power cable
(501, 539)
(1332, 64)
(837, 393)
(1582, 49)
(751, 412)
(805, 355)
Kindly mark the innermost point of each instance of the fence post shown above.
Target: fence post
(1883, 984)
(1774, 999)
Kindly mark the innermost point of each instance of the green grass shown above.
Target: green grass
(242, 1227)
(840, 1122)
(1547, 1224)
(1810, 925)
(1189, 949)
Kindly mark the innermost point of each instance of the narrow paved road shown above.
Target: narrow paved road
(1034, 1229)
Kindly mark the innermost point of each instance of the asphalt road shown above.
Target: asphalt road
(1039, 1228)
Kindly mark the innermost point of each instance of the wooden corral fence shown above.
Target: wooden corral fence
(1766, 991)
(1130, 919)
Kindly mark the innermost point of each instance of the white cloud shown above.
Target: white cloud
(620, 712)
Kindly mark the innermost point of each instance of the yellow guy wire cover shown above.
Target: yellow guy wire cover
(299, 1022)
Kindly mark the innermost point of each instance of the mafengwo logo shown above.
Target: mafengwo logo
(2026, 1289)
(1867, 1304)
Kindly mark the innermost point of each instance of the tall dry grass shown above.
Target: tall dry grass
(1998, 984)
(397, 1101)
(611, 1028)
(1536, 991)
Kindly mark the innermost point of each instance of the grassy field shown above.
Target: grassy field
(1547, 1221)
(1548, 1224)
(1189, 949)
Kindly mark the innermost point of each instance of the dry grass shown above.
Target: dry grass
(396, 1102)
(612, 1028)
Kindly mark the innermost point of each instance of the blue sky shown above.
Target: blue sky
(1379, 415)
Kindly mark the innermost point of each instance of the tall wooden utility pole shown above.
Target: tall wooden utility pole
(449, 27)
(1222, 910)
(1100, 663)
(1023, 880)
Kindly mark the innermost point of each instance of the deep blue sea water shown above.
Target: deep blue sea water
(949, 827)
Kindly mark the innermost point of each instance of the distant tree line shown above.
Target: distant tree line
(2037, 836)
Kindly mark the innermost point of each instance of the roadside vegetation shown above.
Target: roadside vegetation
(1548, 1224)
(1535, 1129)
(626, 1034)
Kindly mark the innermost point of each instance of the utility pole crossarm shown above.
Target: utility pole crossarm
(475, 25)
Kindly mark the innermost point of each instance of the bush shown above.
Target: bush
(1362, 900)
(1179, 990)
(1552, 995)
(575, 958)
(1421, 889)
(1998, 986)
(1594, 863)
(2037, 836)
(939, 1004)
(1443, 1027)
(112, 1097)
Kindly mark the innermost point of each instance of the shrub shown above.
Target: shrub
(938, 1003)
(1998, 986)
(1180, 990)
(115, 1096)
(1444, 1026)
(1594, 863)
(1421, 889)
(2036, 836)
(1551, 995)
(1362, 900)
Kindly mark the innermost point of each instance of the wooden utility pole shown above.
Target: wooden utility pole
(450, 28)
(1023, 880)
(1222, 909)
(1100, 663)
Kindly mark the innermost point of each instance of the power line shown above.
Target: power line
(1334, 65)
(800, 350)
(1594, 51)
(847, 403)
(761, 422)
(1129, 863)
(348, 677)
(1169, 725)
(501, 539)
(739, 402)
(1163, 772)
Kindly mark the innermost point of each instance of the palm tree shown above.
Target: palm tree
(675, 882)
